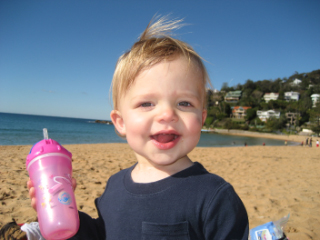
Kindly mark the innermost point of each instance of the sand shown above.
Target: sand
(271, 181)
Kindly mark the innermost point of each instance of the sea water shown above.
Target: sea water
(21, 129)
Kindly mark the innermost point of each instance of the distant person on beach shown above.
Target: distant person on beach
(285, 143)
(159, 97)
(310, 142)
(317, 143)
(307, 143)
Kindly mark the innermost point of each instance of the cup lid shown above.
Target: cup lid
(46, 146)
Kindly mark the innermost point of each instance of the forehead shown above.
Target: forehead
(177, 73)
(180, 65)
(178, 69)
(174, 78)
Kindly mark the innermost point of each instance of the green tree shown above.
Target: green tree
(304, 104)
(221, 116)
(316, 129)
(229, 124)
(315, 118)
(238, 87)
(274, 124)
(264, 106)
(281, 95)
(209, 97)
(209, 121)
(251, 114)
(264, 86)
(276, 85)
(257, 121)
(225, 87)
(246, 92)
(249, 85)
(225, 108)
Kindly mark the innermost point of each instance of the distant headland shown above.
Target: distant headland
(104, 122)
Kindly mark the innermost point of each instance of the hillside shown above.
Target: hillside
(292, 107)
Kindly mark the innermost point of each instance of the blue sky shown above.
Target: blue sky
(57, 57)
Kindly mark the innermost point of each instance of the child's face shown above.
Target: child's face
(162, 113)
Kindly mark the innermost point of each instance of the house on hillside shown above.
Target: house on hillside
(296, 82)
(315, 98)
(265, 115)
(239, 112)
(270, 96)
(232, 97)
(292, 117)
(291, 96)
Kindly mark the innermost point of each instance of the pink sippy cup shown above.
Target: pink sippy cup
(50, 170)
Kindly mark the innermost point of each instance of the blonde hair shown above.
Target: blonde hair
(153, 46)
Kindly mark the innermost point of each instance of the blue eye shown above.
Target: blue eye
(147, 104)
(184, 104)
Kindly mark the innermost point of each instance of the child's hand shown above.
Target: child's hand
(32, 192)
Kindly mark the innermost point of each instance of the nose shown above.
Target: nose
(167, 113)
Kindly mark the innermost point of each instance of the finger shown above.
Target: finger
(34, 203)
(32, 192)
(74, 184)
(29, 184)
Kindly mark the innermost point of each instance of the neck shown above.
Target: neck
(147, 172)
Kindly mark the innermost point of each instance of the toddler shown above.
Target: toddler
(159, 97)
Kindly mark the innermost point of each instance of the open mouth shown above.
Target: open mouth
(165, 138)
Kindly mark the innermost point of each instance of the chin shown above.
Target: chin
(169, 161)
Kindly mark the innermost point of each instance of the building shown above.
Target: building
(292, 117)
(291, 96)
(296, 82)
(265, 115)
(232, 97)
(270, 96)
(239, 112)
(315, 98)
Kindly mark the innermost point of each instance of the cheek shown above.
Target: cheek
(194, 124)
(136, 123)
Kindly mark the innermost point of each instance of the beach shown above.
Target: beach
(272, 181)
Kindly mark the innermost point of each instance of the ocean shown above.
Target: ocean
(21, 129)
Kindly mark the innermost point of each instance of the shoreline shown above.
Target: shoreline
(291, 137)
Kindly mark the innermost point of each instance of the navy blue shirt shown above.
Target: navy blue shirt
(190, 205)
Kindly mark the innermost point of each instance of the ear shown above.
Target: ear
(117, 120)
(204, 116)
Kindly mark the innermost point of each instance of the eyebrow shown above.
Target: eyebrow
(183, 94)
(147, 95)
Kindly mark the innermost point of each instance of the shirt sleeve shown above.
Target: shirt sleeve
(226, 217)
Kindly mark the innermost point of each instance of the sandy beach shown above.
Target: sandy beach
(271, 181)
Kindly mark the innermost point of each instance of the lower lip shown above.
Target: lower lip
(166, 146)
